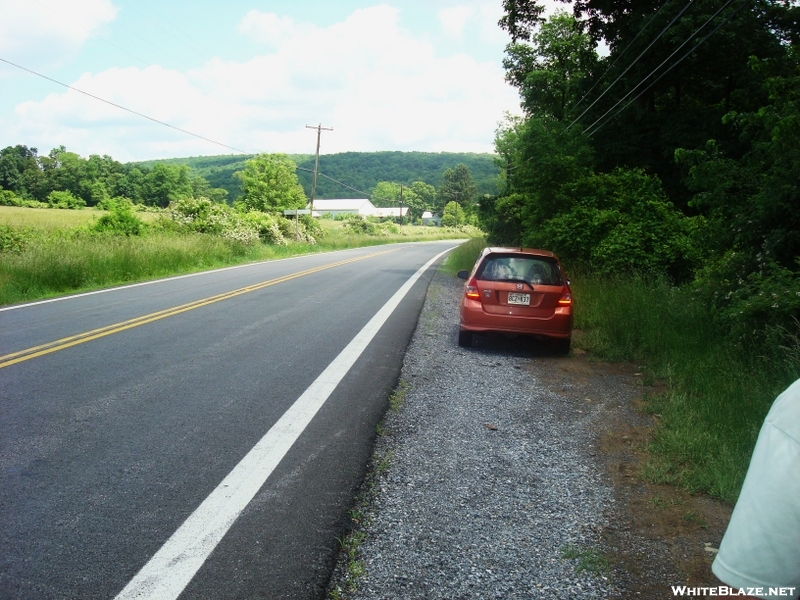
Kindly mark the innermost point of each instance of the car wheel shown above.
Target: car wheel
(465, 339)
(562, 345)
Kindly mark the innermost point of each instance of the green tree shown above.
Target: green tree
(391, 193)
(165, 184)
(457, 186)
(551, 73)
(387, 193)
(269, 183)
(19, 171)
(453, 215)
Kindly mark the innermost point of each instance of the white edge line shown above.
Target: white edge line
(171, 569)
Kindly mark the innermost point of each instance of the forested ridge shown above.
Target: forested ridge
(360, 170)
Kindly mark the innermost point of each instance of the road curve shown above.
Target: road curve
(123, 412)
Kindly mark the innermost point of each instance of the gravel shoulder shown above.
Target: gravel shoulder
(505, 471)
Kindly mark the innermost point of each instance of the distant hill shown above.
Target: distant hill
(360, 170)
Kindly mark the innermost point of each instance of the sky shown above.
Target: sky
(250, 75)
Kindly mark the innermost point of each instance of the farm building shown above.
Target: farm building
(344, 206)
(393, 211)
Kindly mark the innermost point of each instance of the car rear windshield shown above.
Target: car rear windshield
(534, 270)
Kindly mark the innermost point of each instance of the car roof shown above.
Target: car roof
(531, 251)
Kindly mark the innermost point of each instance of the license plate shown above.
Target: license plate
(516, 298)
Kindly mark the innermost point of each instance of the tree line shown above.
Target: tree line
(266, 182)
(638, 162)
(63, 178)
(360, 170)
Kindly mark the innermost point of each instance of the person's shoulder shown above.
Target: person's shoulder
(785, 411)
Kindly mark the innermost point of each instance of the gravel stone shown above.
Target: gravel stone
(489, 479)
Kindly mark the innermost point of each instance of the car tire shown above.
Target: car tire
(465, 339)
(562, 345)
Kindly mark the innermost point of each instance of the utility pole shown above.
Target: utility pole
(401, 204)
(319, 129)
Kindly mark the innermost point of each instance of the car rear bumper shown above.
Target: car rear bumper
(476, 320)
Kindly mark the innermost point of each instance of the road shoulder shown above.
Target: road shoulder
(504, 471)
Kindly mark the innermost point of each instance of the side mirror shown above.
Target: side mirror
(463, 274)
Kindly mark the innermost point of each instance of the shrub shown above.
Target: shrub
(267, 226)
(13, 240)
(358, 225)
(201, 215)
(119, 220)
(619, 222)
(9, 198)
(63, 199)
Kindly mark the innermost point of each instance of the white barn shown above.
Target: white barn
(344, 206)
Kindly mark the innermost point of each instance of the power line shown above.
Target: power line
(100, 37)
(635, 60)
(616, 60)
(138, 114)
(352, 188)
(591, 130)
(205, 51)
(144, 62)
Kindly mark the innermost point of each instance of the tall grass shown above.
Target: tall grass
(464, 256)
(717, 394)
(58, 261)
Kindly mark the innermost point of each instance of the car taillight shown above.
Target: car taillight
(472, 290)
(566, 298)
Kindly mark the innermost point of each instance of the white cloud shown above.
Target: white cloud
(376, 84)
(47, 32)
(454, 19)
(267, 28)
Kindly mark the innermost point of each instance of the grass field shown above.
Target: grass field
(46, 219)
(59, 257)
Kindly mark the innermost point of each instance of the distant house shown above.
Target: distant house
(344, 206)
(429, 219)
(393, 211)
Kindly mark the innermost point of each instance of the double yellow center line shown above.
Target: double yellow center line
(88, 336)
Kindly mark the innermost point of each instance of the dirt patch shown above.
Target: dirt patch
(657, 535)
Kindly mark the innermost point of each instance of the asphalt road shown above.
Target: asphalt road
(124, 415)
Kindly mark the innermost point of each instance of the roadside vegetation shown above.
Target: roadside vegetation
(41, 256)
(69, 224)
(672, 201)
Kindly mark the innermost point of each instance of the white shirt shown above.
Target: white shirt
(761, 547)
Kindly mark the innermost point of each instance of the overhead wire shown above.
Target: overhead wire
(591, 129)
(146, 64)
(352, 188)
(205, 51)
(98, 36)
(138, 114)
(630, 66)
(617, 59)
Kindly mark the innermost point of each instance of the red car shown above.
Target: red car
(517, 291)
